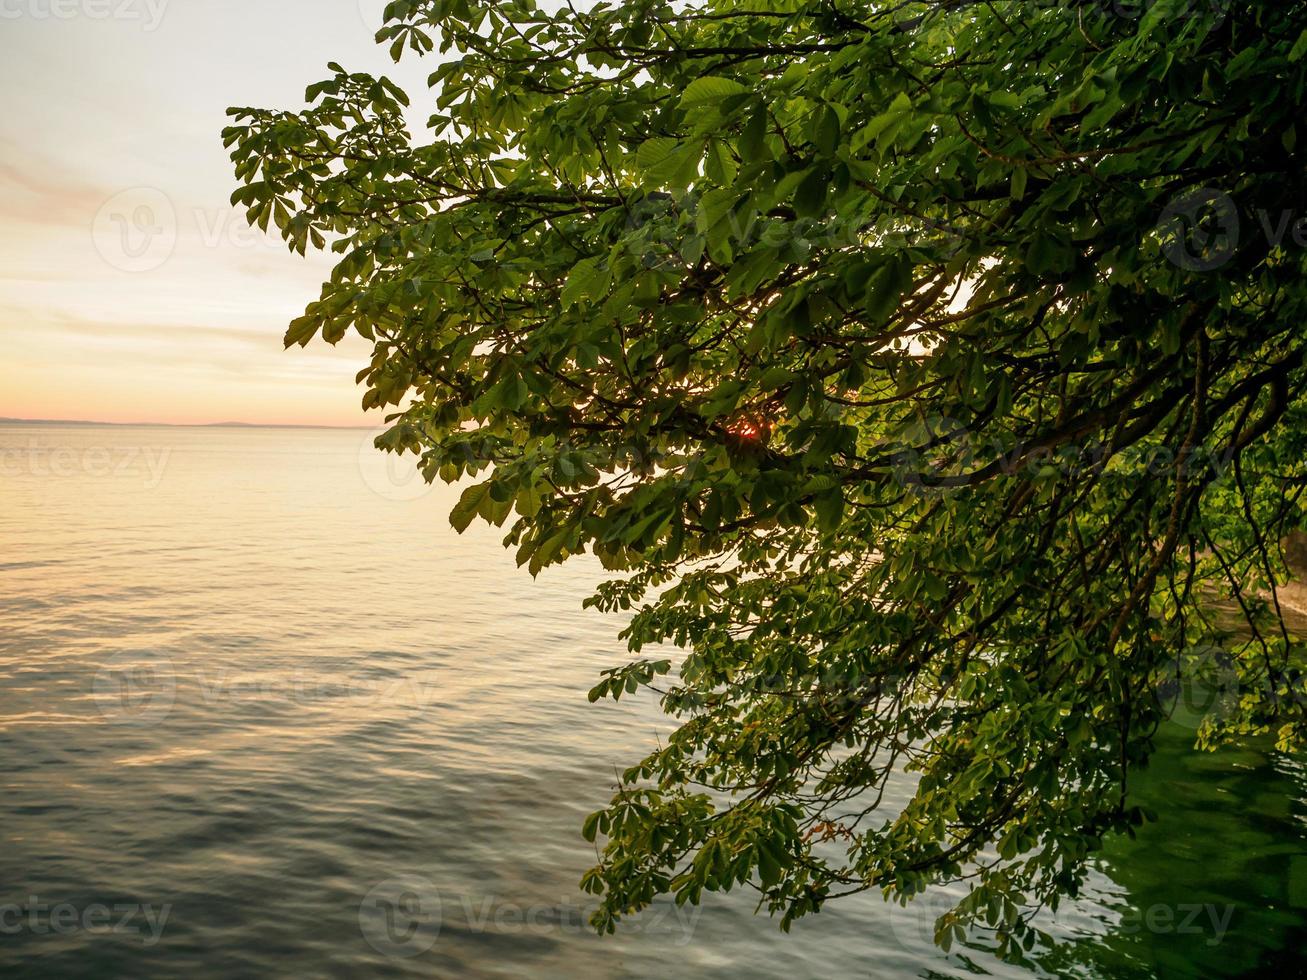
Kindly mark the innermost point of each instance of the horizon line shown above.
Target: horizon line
(184, 425)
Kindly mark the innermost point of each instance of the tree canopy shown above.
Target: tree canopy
(921, 370)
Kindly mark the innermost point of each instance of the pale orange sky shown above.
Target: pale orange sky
(130, 290)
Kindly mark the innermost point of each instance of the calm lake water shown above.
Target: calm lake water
(263, 713)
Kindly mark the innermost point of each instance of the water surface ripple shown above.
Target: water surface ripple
(263, 713)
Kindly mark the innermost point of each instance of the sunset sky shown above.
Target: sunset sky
(130, 289)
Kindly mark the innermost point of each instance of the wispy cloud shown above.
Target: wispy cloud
(130, 289)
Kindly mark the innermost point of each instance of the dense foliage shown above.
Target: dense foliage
(922, 369)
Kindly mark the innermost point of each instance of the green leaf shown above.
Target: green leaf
(810, 195)
(1299, 48)
(710, 90)
(827, 134)
(668, 162)
(1018, 191)
(830, 510)
(885, 288)
(468, 505)
(301, 331)
(1047, 255)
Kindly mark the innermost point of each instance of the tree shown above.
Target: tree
(921, 370)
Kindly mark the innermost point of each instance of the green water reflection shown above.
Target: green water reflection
(1216, 888)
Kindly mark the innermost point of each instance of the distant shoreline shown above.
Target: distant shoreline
(183, 425)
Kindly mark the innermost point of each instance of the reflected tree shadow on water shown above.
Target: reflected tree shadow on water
(1218, 886)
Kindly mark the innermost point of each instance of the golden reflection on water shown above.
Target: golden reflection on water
(253, 674)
